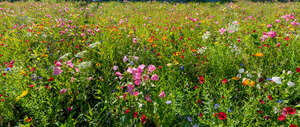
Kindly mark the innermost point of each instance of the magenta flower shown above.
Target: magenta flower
(277, 20)
(134, 40)
(57, 71)
(118, 74)
(146, 77)
(162, 94)
(154, 77)
(269, 25)
(147, 98)
(70, 109)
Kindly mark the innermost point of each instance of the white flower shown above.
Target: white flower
(241, 70)
(80, 54)
(289, 72)
(291, 84)
(277, 80)
(84, 65)
(64, 56)
(94, 45)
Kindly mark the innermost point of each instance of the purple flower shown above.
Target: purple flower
(125, 59)
(115, 68)
(168, 102)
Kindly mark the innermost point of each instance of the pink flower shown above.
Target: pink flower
(264, 37)
(90, 78)
(57, 70)
(154, 77)
(130, 89)
(70, 64)
(162, 94)
(62, 91)
(269, 25)
(142, 66)
(137, 82)
(70, 109)
(57, 63)
(281, 117)
(118, 74)
(134, 40)
(115, 68)
(222, 30)
(76, 69)
(72, 79)
(129, 70)
(147, 98)
(151, 68)
(272, 34)
(136, 93)
(125, 59)
(277, 21)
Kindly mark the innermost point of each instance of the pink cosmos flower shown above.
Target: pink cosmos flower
(272, 34)
(154, 77)
(136, 93)
(134, 40)
(269, 25)
(222, 30)
(147, 98)
(57, 71)
(146, 77)
(277, 21)
(162, 94)
(151, 68)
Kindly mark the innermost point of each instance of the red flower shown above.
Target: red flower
(262, 101)
(31, 85)
(270, 97)
(135, 114)
(215, 114)
(222, 116)
(289, 110)
(281, 118)
(260, 112)
(202, 80)
(126, 112)
(298, 70)
(224, 81)
(201, 115)
(0, 95)
(287, 38)
(199, 101)
(51, 79)
(143, 119)
(292, 125)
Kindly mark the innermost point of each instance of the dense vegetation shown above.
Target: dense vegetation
(149, 64)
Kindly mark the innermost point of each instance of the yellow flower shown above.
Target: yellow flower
(98, 64)
(259, 54)
(22, 95)
(150, 39)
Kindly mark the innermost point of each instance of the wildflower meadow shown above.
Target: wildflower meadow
(152, 64)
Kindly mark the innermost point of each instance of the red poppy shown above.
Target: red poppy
(31, 85)
(281, 118)
(199, 101)
(222, 116)
(143, 119)
(290, 110)
(287, 38)
(262, 101)
(292, 125)
(224, 81)
(0, 95)
(260, 112)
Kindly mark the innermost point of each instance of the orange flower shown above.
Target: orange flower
(245, 82)
(150, 40)
(28, 119)
(259, 54)
(235, 78)
(164, 38)
(252, 83)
